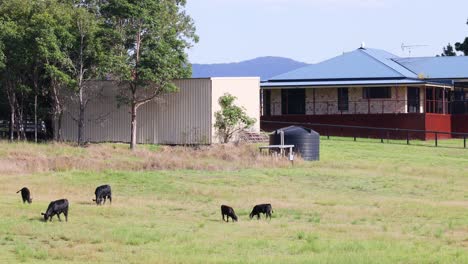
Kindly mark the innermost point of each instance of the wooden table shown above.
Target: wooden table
(281, 148)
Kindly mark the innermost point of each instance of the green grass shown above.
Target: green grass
(362, 203)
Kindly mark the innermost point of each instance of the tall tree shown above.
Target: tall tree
(150, 42)
(36, 65)
(14, 21)
(2, 55)
(462, 46)
(449, 51)
(54, 43)
(87, 59)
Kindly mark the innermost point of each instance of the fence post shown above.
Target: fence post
(407, 137)
(328, 134)
(354, 134)
(382, 137)
(436, 139)
(464, 141)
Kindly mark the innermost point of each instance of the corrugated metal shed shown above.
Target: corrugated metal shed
(178, 118)
(185, 117)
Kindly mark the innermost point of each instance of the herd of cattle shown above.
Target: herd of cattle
(104, 192)
(61, 206)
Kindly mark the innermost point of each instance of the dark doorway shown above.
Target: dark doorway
(414, 105)
(293, 101)
(343, 99)
(266, 102)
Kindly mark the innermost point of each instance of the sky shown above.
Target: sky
(314, 30)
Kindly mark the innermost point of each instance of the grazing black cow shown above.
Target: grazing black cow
(26, 195)
(56, 208)
(228, 212)
(261, 209)
(103, 192)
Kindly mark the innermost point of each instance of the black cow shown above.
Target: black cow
(103, 192)
(56, 208)
(228, 212)
(261, 209)
(26, 195)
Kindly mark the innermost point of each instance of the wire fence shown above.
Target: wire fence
(396, 135)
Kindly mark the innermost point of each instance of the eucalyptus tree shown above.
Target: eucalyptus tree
(448, 51)
(34, 35)
(2, 55)
(150, 39)
(14, 21)
(462, 46)
(36, 65)
(459, 46)
(87, 58)
(54, 42)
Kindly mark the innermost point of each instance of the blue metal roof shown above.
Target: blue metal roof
(342, 83)
(437, 67)
(369, 67)
(358, 64)
(388, 59)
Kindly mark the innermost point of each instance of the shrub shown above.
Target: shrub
(231, 119)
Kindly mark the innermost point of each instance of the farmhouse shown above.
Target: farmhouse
(373, 88)
(184, 117)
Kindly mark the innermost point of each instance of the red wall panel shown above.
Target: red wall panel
(401, 121)
(460, 123)
(438, 122)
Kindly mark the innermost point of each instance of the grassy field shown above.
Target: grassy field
(362, 203)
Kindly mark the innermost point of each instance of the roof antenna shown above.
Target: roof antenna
(410, 48)
(363, 45)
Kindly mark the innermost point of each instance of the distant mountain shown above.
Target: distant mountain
(264, 67)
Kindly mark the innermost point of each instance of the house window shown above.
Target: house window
(343, 99)
(293, 101)
(377, 92)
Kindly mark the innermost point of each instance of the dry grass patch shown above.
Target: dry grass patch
(30, 158)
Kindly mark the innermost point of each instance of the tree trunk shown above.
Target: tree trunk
(12, 124)
(81, 124)
(134, 127)
(59, 131)
(20, 117)
(57, 120)
(58, 126)
(35, 79)
(35, 117)
(12, 103)
(57, 112)
(55, 124)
